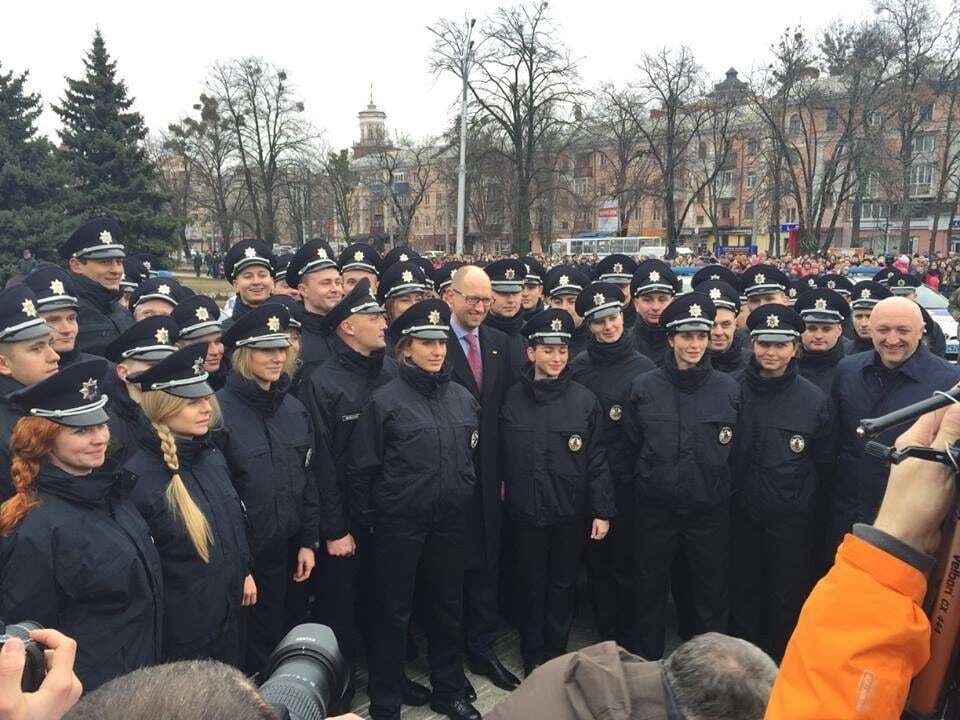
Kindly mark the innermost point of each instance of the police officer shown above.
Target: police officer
(57, 304)
(248, 266)
(74, 552)
(268, 445)
(140, 346)
(866, 294)
(905, 285)
(824, 312)
(401, 286)
(608, 368)
(618, 269)
(397, 254)
(184, 493)
(715, 273)
(313, 271)
(413, 481)
(443, 277)
(280, 286)
(782, 453)
(531, 296)
(94, 255)
(652, 288)
(556, 480)
(156, 296)
(356, 262)
(681, 418)
(506, 311)
(764, 284)
(198, 318)
(728, 350)
(562, 286)
(836, 282)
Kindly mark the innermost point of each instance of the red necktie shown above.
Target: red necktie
(473, 358)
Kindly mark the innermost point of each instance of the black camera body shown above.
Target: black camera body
(35, 668)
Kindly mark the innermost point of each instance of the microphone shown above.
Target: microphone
(872, 426)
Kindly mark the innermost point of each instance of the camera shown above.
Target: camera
(306, 674)
(35, 667)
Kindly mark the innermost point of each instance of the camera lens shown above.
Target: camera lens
(305, 673)
(22, 629)
(34, 667)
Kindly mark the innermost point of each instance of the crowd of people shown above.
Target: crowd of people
(371, 441)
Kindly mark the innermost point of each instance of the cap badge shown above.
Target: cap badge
(575, 442)
(527, 267)
(831, 284)
(88, 389)
(865, 293)
(556, 325)
(250, 253)
(434, 317)
(474, 439)
(407, 276)
(273, 323)
(797, 443)
(57, 287)
(162, 336)
(598, 299)
(820, 304)
(900, 282)
(759, 279)
(811, 282)
(509, 273)
(793, 292)
(616, 412)
(715, 293)
(404, 257)
(146, 265)
(164, 289)
(564, 280)
(714, 277)
(618, 267)
(725, 435)
(321, 253)
(105, 237)
(654, 276)
(202, 314)
(358, 256)
(28, 308)
(695, 310)
(198, 366)
(773, 321)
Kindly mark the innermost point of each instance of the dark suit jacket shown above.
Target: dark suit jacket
(483, 541)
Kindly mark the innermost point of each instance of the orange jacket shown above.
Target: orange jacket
(862, 636)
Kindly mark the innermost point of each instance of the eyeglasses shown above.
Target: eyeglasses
(473, 300)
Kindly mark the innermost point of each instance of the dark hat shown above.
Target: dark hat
(295, 309)
(150, 339)
(156, 288)
(902, 283)
(723, 294)
(444, 274)
(360, 300)
(868, 293)
(70, 396)
(312, 256)
(359, 256)
(244, 254)
(401, 253)
(616, 268)
(715, 272)
(775, 323)
(763, 279)
(181, 374)
(197, 316)
(552, 326)
(599, 300)
(836, 281)
(53, 287)
(97, 239)
(691, 312)
(654, 276)
(807, 282)
(265, 326)
(401, 278)
(426, 320)
(565, 280)
(428, 270)
(536, 272)
(136, 269)
(822, 306)
(280, 264)
(19, 316)
(506, 275)
(883, 275)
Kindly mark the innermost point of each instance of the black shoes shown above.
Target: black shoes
(468, 690)
(493, 670)
(458, 709)
(414, 694)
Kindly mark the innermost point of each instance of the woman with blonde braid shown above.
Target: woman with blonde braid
(74, 552)
(184, 493)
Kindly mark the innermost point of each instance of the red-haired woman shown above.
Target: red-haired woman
(75, 554)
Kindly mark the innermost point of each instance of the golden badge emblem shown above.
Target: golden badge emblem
(725, 435)
(575, 443)
(474, 439)
(616, 412)
(797, 443)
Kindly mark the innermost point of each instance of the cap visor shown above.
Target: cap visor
(605, 312)
(551, 341)
(103, 254)
(430, 334)
(57, 305)
(268, 344)
(28, 333)
(692, 326)
(772, 338)
(821, 318)
(191, 391)
(154, 355)
(507, 287)
(97, 416)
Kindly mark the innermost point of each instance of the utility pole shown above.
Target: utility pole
(462, 169)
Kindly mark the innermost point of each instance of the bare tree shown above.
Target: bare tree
(521, 78)
(714, 171)
(304, 194)
(407, 171)
(948, 152)
(175, 177)
(341, 183)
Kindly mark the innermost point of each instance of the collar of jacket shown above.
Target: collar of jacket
(629, 315)
(611, 353)
(119, 398)
(188, 449)
(824, 358)
(9, 385)
(240, 308)
(914, 367)
(510, 326)
(544, 391)
(367, 365)
(690, 380)
(94, 489)
(730, 359)
(862, 344)
(95, 293)
(653, 334)
(312, 322)
(426, 383)
(265, 402)
(763, 385)
(67, 358)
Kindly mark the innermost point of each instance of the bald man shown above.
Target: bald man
(899, 371)
(479, 357)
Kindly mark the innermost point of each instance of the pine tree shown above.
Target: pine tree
(103, 145)
(33, 180)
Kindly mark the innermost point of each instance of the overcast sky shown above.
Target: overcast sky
(332, 51)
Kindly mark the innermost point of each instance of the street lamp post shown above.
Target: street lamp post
(462, 169)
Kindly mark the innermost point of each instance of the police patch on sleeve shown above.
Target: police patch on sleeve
(797, 443)
(725, 435)
(474, 439)
(575, 443)
(616, 412)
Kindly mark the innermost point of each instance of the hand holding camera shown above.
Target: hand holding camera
(37, 681)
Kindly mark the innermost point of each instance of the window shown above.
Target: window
(725, 209)
(791, 214)
(833, 120)
(922, 144)
(656, 213)
(702, 151)
(794, 126)
(580, 186)
(874, 119)
(748, 210)
(399, 177)
(926, 113)
(871, 210)
(699, 219)
(921, 179)
(872, 189)
(751, 179)
(753, 147)
(726, 178)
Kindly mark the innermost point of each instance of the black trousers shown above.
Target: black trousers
(548, 559)
(703, 537)
(399, 546)
(770, 578)
(610, 566)
(266, 621)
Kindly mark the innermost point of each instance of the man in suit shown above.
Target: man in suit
(479, 357)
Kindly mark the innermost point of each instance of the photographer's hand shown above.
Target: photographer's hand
(60, 689)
